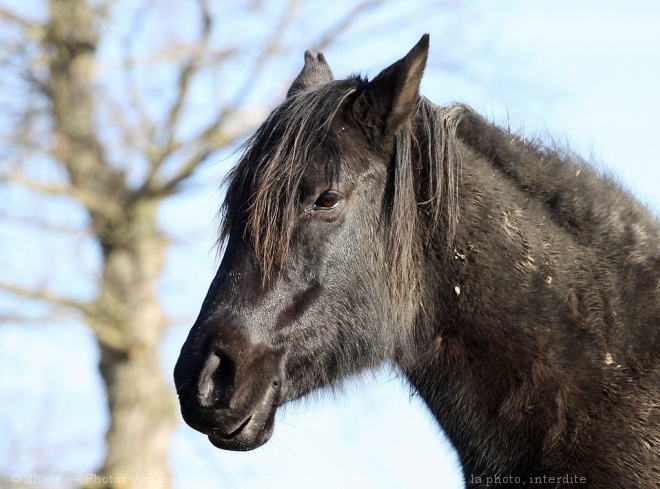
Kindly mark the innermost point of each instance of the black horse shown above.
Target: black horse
(515, 288)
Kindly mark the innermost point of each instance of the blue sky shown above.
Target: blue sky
(582, 74)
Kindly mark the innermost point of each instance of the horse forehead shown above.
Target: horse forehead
(323, 171)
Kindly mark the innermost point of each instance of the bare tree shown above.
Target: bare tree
(103, 113)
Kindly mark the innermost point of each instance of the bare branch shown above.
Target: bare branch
(16, 19)
(273, 45)
(94, 314)
(188, 70)
(217, 135)
(42, 224)
(269, 49)
(330, 35)
(45, 188)
(89, 200)
(187, 169)
(9, 318)
(146, 125)
(48, 297)
(141, 136)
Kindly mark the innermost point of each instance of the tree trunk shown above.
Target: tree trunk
(142, 419)
(140, 401)
(126, 316)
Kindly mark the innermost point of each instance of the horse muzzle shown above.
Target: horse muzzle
(230, 391)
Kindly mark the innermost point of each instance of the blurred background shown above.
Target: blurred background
(118, 121)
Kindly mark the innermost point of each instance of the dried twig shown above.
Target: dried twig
(16, 19)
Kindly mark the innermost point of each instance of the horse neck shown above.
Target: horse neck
(469, 353)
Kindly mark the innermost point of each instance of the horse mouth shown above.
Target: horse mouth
(254, 431)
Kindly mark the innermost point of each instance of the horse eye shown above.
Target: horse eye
(327, 200)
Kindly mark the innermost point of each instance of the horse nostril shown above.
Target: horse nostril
(215, 378)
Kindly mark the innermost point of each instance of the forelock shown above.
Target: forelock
(263, 190)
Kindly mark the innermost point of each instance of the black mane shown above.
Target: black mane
(591, 206)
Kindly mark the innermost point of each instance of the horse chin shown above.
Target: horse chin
(252, 433)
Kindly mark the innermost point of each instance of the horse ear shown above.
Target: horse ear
(390, 99)
(316, 72)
